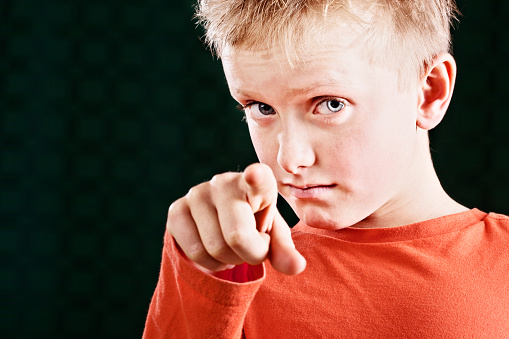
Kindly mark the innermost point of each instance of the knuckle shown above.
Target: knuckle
(223, 179)
(177, 211)
(217, 180)
(176, 207)
(198, 192)
(200, 256)
(237, 239)
(197, 254)
(217, 249)
(220, 251)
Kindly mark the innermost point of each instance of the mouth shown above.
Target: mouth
(309, 191)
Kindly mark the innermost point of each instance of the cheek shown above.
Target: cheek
(265, 145)
(350, 160)
(370, 156)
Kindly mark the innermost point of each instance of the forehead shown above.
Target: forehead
(247, 69)
(332, 58)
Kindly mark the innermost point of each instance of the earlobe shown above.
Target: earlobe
(435, 91)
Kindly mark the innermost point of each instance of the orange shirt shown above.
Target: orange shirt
(442, 278)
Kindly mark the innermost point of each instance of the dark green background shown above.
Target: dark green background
(110, 110)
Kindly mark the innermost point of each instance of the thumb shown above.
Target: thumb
(282, 253)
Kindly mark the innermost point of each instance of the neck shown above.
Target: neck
(422, 199)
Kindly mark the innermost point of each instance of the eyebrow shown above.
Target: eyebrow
(325, 82)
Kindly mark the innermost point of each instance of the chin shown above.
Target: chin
(329, 216)
(318, 219)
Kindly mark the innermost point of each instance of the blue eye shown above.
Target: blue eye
(330, 106)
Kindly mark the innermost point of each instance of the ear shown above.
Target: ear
(435, 91)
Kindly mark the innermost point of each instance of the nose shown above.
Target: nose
(295, 148)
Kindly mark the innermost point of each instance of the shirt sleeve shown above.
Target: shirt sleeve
(188, 303)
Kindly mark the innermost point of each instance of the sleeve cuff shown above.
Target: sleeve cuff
(230, 287)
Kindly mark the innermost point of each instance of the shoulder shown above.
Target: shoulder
(497, 216)
(497, 222)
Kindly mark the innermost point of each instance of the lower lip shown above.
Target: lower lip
(310, 193)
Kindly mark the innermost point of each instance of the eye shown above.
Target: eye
(259, 108)
(330, 106)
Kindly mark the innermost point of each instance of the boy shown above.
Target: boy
(338, 96)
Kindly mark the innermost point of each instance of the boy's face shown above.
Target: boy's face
(338, 133)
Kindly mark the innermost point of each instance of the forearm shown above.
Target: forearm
(189, 303)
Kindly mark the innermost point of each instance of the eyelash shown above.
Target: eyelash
(243, 107)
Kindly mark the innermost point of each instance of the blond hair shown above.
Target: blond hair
(412, 32)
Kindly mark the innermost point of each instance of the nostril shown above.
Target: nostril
(296, 150)
(294, 159)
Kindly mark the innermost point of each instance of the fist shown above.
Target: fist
(233, 219)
